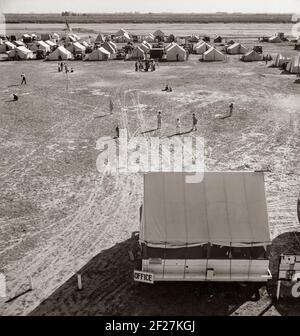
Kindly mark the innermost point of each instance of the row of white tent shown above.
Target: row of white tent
(233, 49)
(102, 53)
(45, 45)
(210, 53)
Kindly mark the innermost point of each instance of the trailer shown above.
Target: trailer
(213, 230)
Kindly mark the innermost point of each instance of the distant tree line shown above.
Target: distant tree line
(66, 13)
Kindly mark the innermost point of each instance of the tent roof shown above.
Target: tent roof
(79, 46)
(24, 50)
(252, 52)
(214, 51)
(225, 208)
(104, 51)
(175, 46)
(100, 38)
(42, 43)
(19, 43)
(10, 44)
(202, 44)
(158, 32)
(51, 44)
(121, 32)
(235, 45)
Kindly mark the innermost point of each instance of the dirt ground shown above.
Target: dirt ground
(58, 214)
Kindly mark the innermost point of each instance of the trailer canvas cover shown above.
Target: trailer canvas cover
(226, 208)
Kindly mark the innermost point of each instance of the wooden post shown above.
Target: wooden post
(278, 289)
(30, 282)
(79, 281)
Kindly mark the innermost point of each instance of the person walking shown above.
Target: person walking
(159, 120)
(23, 78)
(111, 106)
(118, 131)
(58, 67)
(136, 66)
(230, 109)
(187, 55)
(177, 57)
(177, 126)
(195, 121)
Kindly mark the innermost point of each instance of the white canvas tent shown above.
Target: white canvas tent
(40, 45)
(121, 32)
(2, 47)
(236, 49)
(137, 53)
(175, 53)
(99, 54)
(145, 47)
(294, 65)
(85, 44)
(51, 43)
(26, 38)
(201, 48)
(147, 44)
(9, 45)
(279, 60)
(72, 38)
(275, 39)
(150, 38)
(55, 37)
(60, 54)
(183, 225)
(252, 56)
(159, 33)
(110, 47)
(100, 38)
(21, 53)
(213, 54)
(168, 46)
(123, 38)
(19, 43)
(6, 46)
(76, 47)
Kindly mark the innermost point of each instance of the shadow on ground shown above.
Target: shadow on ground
(109, 289)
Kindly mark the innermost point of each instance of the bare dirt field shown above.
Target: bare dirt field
(58, 214)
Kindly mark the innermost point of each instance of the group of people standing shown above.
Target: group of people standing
(178, 123)
(64, 66)
(145, 66)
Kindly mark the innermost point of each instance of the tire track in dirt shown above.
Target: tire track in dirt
(76, 221)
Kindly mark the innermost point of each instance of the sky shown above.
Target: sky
(177, 6)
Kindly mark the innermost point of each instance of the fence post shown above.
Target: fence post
(79, 281)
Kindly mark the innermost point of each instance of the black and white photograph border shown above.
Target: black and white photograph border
(149, 158)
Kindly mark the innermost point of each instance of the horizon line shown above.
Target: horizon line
(149, 13)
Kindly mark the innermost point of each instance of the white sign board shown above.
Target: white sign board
(288, 270)
(145, 277)
(289, 265)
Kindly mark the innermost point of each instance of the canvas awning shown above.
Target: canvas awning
(226, 208)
